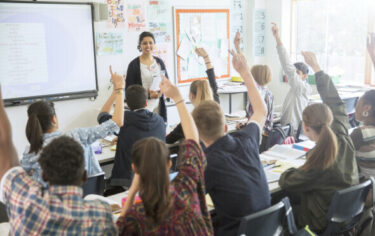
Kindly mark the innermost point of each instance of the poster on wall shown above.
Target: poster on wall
(160, 20)
(207, 28)
(161, 51)
(259, 32)
(135, 13)
(237, 19)
(109, 44)
(116, 18)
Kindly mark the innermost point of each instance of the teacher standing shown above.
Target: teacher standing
(146, 68)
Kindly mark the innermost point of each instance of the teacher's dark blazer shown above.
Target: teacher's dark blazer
(133, 76)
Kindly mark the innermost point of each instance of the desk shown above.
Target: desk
(234, 89)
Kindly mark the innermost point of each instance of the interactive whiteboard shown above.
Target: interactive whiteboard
(46, 50)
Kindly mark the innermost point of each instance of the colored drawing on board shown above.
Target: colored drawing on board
(159, 20)
(116, 17)
(161, 51)
(135, 13)
(109, 44)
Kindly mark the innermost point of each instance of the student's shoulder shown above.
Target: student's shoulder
(251, 130)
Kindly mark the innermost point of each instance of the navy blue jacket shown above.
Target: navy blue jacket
(133, 76)
(138, 124)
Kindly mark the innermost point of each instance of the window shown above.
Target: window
(337, 31)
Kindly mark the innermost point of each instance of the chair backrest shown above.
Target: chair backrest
(278, 134)
(348, 203)
(268, 222)
(94, 185)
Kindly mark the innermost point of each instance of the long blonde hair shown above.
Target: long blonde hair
(201, 91)
(319, 118)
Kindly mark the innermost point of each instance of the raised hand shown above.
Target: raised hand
(240, 63)
(170, 90)
(117, 80)
(237, 42)
(311, 60)
(275, 30)
(201, 52)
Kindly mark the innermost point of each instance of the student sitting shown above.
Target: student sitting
(364, 137)
(331, 165)
(42, 127)
(199, 92)
(138, 123)
(59, 209)
(297, 98)
(176, 208)
(234, 176)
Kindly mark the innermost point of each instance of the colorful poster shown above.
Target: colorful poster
(159, 20)
(116, 17)
(135, 13)
(161, 51)
(109, 44)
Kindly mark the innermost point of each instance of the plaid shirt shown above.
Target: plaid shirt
(268, 99)
(59, 210)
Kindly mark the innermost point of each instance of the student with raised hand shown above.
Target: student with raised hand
(331, 165)
(139, 123)
(59, 209)
(364, 136)
(199, 92)
(297, 98)
(262, 76)
(167, 208)
(234, 176)
(42, 127)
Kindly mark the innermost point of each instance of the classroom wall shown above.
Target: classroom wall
(82, 112)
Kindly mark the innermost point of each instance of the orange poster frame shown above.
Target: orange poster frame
(177, 41)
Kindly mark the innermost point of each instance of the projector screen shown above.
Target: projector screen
(46, 50)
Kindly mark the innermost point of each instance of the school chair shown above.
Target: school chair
(346, 208)
(94, 185)
(269, 222)
(278, 135)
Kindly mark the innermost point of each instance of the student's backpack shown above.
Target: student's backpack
(278, 135)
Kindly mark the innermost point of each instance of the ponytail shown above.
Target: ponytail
(40, 121)
(319, 118)
(201, 90)
(150, 157)
(34, 133)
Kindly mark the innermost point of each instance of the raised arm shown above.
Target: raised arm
(288, 67)
(210, 72)
(187, 122)
(118, 88)
(371, 47)
(329, 95)
(256, 100)
(8, 154)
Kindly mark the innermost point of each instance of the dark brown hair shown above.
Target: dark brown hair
(40, 120)
(319, 118)
(62, 161)
(142, 36)
(136, 96)
(369, 99)
(150, 157)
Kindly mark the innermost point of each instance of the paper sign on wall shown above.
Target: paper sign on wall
(116, 17)
(136, 20)
(109, 44)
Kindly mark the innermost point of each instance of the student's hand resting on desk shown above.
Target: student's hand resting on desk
(311, 60)
(170, 90)
(117, 80)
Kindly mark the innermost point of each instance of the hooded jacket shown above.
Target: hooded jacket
(138, 124)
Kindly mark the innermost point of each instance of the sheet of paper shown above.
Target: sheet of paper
(285, 152)
(155, 86)
(116, 14)
(185, 48)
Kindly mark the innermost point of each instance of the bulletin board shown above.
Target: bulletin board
(207, 28)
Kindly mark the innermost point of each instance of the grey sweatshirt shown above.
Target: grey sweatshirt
(297, 98)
